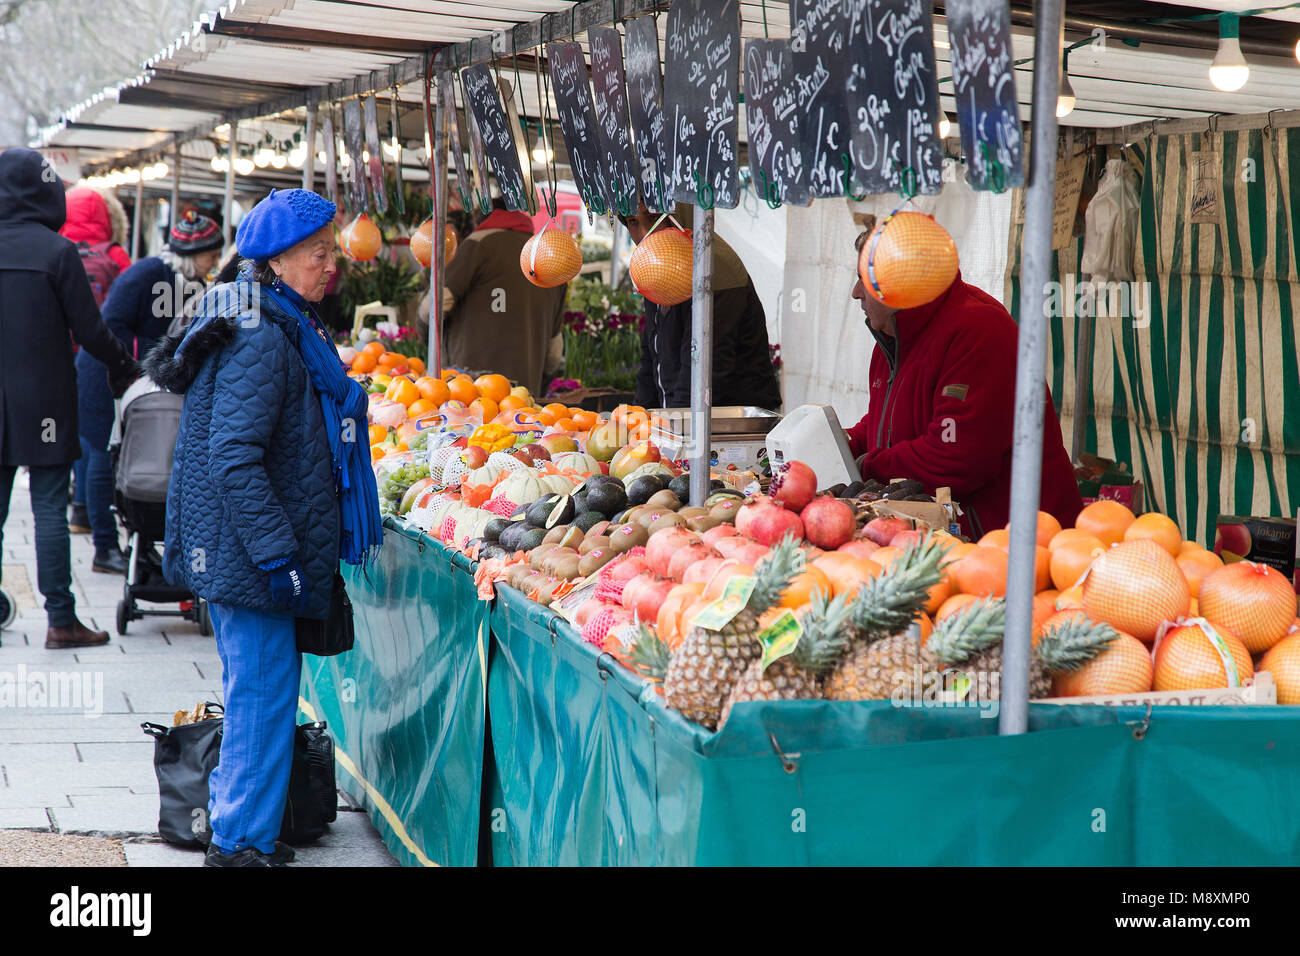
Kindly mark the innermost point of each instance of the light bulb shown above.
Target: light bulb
(298, 156)
(320, 157)
(244, 166)
(543, 154)
(945, 126)
(365, 155)
(262, 158)
(218, 163)
(279, 161)
(1297, 49)
(1065, 94)
(161, 169)
(392, 150)
(1229, 71)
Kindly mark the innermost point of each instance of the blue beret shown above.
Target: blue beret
(281, 220)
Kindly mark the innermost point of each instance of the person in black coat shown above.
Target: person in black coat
(142, 303)
(743, 373)
(44, 295)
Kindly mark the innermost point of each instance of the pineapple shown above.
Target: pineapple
(649, 657)
(971, 642)
(886, 650)
(798, 675)
(707, 663)
(1073, 643)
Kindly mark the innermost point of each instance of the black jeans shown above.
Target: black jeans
(49, 490)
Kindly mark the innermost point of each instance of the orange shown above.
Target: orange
(545, 417)
(484, 408)
(885, 556)
(1044, 608)
(938, 594)
(1198, 564)
(1105, 519)
(1283, 662)
(1071, 597)
(1001, 538)
(1071, 558)
(953, 605)
(982, 571)
(1187, 659)
(374, 349)
(1190, 546)
(800, 590)
(416, 363)
(565, 425)
(1071, 534)
(668, 621)
(433, 389)
(1042, 568)
(583, 419)
(401, 446)
(556, 410)
(927, 627)
(377, 433)
(1254, 601)
(845, 572)
(511, 403)
(1048, 528)
(1159, 528)
(363, 362)
(377, 452)
(389, 359)
(402, 390)
(419, 407)
(462, 390)
(1136, 586)
(495, 387)
(448, 374)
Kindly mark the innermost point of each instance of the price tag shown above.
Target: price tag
(721, 612)
(779, 638)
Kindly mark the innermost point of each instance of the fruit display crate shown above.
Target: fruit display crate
(585, 765)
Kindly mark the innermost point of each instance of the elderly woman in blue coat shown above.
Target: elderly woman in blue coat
(270, 487)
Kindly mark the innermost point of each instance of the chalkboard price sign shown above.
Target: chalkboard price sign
(893, 97)
(577, 120)
(455, 135)
(645, 106)
(494, 130)
(819, 40)
(609, 90)
(772, 115)
(702, 73)
(984, 86)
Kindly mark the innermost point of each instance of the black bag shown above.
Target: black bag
(184, 756)
(334, 635)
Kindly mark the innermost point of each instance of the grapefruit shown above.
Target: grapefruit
(1135, 587)
(1256, 602)
(1197, 654)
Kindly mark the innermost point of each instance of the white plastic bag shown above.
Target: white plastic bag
(1111, 224)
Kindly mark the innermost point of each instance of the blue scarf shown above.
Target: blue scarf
(341, 398)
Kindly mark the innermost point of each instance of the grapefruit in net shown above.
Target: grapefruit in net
(360, 239)
(908, 260)
(661, 266)
(1198, 654)
(1107, 520)
(1135, 587)
(1254, 601)
(550, 258)
(1283, 662)
(1124, 667)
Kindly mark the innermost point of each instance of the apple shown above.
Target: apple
(628, 459)
(461, 442)
(474, 456)
(557, 444)
(535, 452)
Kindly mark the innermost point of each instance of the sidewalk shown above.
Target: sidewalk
(87, 769)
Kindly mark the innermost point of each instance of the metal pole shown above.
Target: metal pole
(176, 186)
(1082, 378)
(438, 259)
(1031, 363)
(135, 219)
(701, 354)
(615, 266)
(228, 200)
(309, 165)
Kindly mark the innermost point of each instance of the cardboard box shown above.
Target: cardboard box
(1103, 478)
(1258, 690)
(1270, 541)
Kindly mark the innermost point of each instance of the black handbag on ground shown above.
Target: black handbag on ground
(334, 635)
(184, 756)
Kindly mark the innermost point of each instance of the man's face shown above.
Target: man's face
(639, 226)
(879, 316)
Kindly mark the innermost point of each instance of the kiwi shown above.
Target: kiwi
(586, 520)
(516, 575)
(642, 489)
(552, 559)
(594, 560)
(725, 511)
(607, 498)
(531, 539)
(593, 542)
(628, 537)
(692, 512)
(702, 523)
(719, 496)
(669, 519)
(546, 590)
(571, 538)
(555, 534)
(492, 530)
(665, 501)
(600, 528)
(567, 567)
(538, 554)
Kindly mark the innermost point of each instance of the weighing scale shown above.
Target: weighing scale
(813, 435)
(739, 435)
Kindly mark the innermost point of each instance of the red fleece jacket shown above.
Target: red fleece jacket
(942, 404)
(88, 221)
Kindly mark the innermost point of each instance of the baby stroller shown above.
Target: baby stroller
(140, 449)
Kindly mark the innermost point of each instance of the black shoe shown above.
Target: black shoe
(78, 520)
(109, 562)
(283, 854)
(249, 856)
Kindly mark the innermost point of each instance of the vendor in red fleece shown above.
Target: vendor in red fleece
(942, 404)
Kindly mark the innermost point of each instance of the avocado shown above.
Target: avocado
(587, 519)
(540, 510)
(595, 480)
(580, 502)
(531, 539)
(607, 499)
(494, 551)
(492, 530)
(643, 488)
(509, 538)
(681, 486)
(562, 512)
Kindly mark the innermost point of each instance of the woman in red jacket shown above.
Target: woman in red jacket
(942, 405)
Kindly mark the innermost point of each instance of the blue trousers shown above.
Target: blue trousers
(95, 490)
(49, 490)
(79, 476)
(260, 670)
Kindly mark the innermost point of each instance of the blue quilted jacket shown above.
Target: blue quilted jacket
(251, 480)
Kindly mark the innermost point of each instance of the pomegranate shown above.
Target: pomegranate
(726, 546)
(625, 570)
(632, 588)
(860, 548)
(700, 571)
(726, 571)
(649, 594)
(905, 539)
(882, 530)
(684, 557)
(717, 533)
(794, 485)
(750, 553)
(664, 543)
(587, 609)
(828, 522)
(767, 521)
